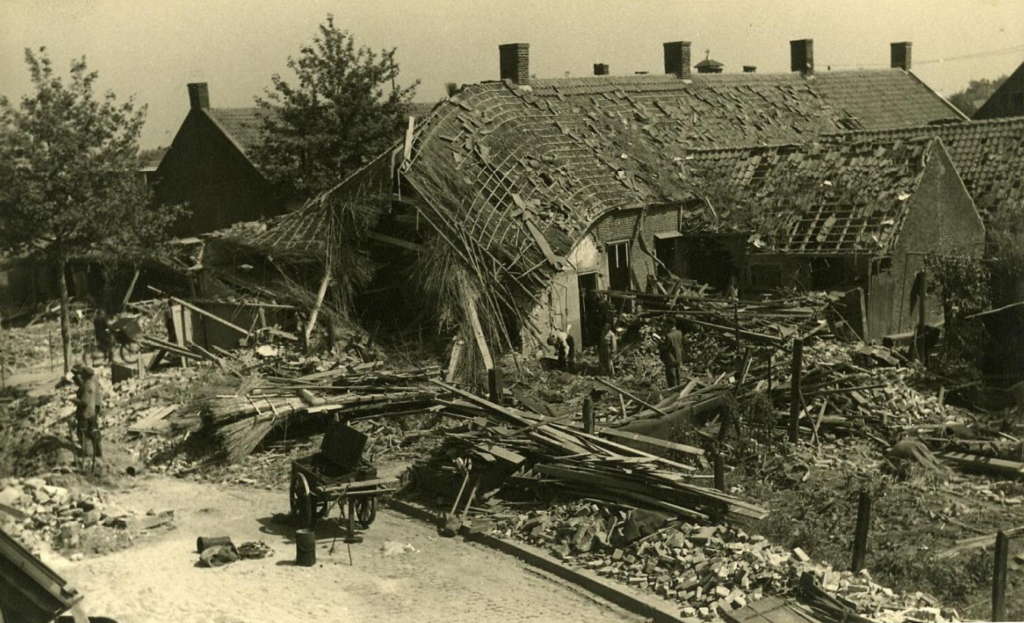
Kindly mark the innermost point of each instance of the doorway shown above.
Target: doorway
(591, 317)
(618, 266)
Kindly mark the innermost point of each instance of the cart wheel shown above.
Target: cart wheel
(301, 502)
(366, 511)
(130, 352)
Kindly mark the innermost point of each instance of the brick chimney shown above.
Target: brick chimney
(750, 69)
(515, 62)
(600, 69)
(801, 56)
(677, 59)
(198, 95)
(899, 55)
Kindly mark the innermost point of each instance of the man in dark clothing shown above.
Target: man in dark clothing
(672, 355)
(104, 339)
(88, 404)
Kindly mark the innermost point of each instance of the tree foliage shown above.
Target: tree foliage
(964, 281)
(343, 110)
(68, 165)
(68, 160)
(977, 93)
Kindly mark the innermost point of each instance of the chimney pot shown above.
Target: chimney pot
(801, 56)
(198, 95)
(515, 62)
(750, 69)
(899, 55)
(677, 59)
(600, 69)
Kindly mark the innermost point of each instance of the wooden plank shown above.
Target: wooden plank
(632, 451)
(478, 334)
(651, 441)
(623, 392)
(320, 294)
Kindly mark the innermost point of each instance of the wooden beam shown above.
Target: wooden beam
(478, 334)
(398, 242)
(320, 294)
(623, 392)
(203, 312)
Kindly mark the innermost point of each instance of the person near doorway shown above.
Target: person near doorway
(565, 349)
(606, 350)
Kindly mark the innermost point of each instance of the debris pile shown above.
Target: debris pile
(709, 569)
(34, 511)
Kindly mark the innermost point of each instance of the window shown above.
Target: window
(881, 266)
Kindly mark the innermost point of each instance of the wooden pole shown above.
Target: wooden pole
(860, 538)
(326, 281)
(494, 385)
(794, 390)
(588, 415)
(719, 471)
(999, 577)
(131, 289)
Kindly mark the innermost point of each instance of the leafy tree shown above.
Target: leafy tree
(977, 93)
(344, 110)
(67, 161)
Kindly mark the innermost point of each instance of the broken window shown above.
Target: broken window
(618, 266)
(881, 266)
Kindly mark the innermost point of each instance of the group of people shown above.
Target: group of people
(565, 350)
(670, 350)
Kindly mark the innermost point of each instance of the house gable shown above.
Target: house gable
(1007, 101)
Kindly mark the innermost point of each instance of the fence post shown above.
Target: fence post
(588, 415)
(860, 539)
(494, 385)
(999, 577)
(794, 391)
(719, 471)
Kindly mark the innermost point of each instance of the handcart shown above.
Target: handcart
(337, 475)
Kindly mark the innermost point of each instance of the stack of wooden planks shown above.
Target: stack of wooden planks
(591, 465)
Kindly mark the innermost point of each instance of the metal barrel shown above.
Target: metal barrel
(305, 548)
(205, 542)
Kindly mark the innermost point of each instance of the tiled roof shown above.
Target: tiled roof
(988, 155)
(818, 198)
(241, 124)
(563, 151)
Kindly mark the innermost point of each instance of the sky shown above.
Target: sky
(152, 48)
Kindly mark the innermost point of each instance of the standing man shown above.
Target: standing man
(606, 350)
(87, 407)
(674, 353)
(104, 339)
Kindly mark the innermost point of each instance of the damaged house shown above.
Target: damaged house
(514, 198)
(860, 215)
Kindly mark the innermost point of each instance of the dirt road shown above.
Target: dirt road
(446, 580)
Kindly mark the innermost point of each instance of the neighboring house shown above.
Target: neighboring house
(209, 166)
(1007, 101)
(544, 184)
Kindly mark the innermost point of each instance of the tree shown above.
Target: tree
(977, 93)
(344, 110)
(68, 161)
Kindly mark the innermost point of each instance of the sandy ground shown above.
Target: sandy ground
(446, 580)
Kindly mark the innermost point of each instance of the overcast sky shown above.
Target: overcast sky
(153, 48)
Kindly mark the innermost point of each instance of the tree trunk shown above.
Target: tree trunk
(65, 312)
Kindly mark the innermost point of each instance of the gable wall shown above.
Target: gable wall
(942, 219)
(204, 169)
(1007, 101)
